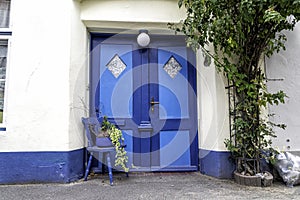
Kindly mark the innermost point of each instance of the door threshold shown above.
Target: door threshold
(165, 169)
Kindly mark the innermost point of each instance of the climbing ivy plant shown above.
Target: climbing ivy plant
(242, 33)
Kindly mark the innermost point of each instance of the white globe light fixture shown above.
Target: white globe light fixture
(143, 39)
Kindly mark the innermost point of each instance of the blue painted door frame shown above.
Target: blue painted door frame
(158, 136)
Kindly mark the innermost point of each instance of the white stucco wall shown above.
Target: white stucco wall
(286, 65)
(213, 125)
(78, 77)
(130, 14)
(46, 53)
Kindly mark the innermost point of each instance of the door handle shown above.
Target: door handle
(152, 103)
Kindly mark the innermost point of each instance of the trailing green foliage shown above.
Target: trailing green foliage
(117, 139)
(242, 32)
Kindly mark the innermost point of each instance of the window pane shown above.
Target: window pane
(2, 68)
(3, 55)
(4, 13)
(2, 87)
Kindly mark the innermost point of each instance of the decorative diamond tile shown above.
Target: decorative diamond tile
(172, 67)
(116, 66)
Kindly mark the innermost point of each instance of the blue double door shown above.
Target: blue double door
(150, 95)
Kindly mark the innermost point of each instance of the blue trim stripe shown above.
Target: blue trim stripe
(39, 167)
(216, 163)
(2, 129)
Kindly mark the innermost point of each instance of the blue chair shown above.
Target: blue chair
(92, 125)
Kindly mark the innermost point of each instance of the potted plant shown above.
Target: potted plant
(110, 135)
(242, 33)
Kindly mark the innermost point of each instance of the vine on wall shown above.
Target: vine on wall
(242, 32)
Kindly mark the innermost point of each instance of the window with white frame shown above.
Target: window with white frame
(4, 37)
(4, 13)
(3, 62)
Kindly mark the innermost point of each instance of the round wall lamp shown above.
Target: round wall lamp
(143, 39)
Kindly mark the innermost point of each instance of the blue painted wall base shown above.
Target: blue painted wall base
(216, 163)
(39, 167)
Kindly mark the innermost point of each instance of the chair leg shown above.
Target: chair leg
(87, 170)
(109, 168)
(100, 162)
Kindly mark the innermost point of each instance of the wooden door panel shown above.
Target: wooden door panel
(162, 136)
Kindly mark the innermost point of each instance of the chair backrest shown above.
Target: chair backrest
(91, 126)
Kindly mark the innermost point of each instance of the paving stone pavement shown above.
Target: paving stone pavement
(162, 186)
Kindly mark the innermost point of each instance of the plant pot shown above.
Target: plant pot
(247, 180)
(257, 181)
(103, 142)
(268, 180)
